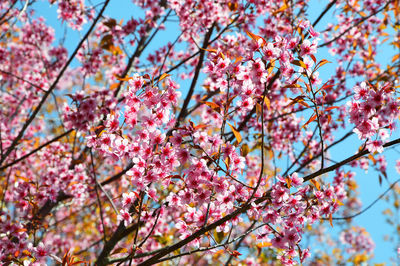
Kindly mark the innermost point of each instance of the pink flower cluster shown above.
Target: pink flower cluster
(91, 60)
(357, 240)
(371, 110)
(292, 211)
(86, 109)
(73, 12)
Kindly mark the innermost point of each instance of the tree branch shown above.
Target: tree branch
(52, 87)
(36, 150)
(369, 206)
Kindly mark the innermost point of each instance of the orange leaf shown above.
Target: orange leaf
(370, 49)
(371, 157)
(227, 162)
(321, 63)
(213, 106)
(210, 50)
(281, 9)
(233, 6)
(238, 59)
(295, 85)
(299, 63)
(114, 85)
(236, 133)
(99, 130)
(270, 67)
(331, 107)
(308, 88)
(313, 58)
(339, 202)
(200, 126)
(363, 14)
(264, 244)
(256, 38)
(330, 219)
(288, 182)
(326, 86)
(26, 252)
(268, 103)
(219, 252)
(123, 79)
(236, 253)
(316, 184)
(395, 58)
(312, 118)
(163, 76)
(304, 104)
(297, 100)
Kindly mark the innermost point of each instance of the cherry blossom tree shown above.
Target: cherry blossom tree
(213, 147)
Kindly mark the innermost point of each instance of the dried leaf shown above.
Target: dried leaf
(244, 150)
(110, 23)
(233, 6)
(106, 42)
(119, 250)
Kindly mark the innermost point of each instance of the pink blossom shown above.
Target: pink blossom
(375, 146)
(128, 199)
(270, 52)
(361, 91)
(125, 217)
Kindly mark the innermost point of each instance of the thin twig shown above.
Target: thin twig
(36, 150)
(52, 87)
(368, 207)
(355, 25)
(98, 198)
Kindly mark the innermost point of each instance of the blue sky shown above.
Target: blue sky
(369, 187)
